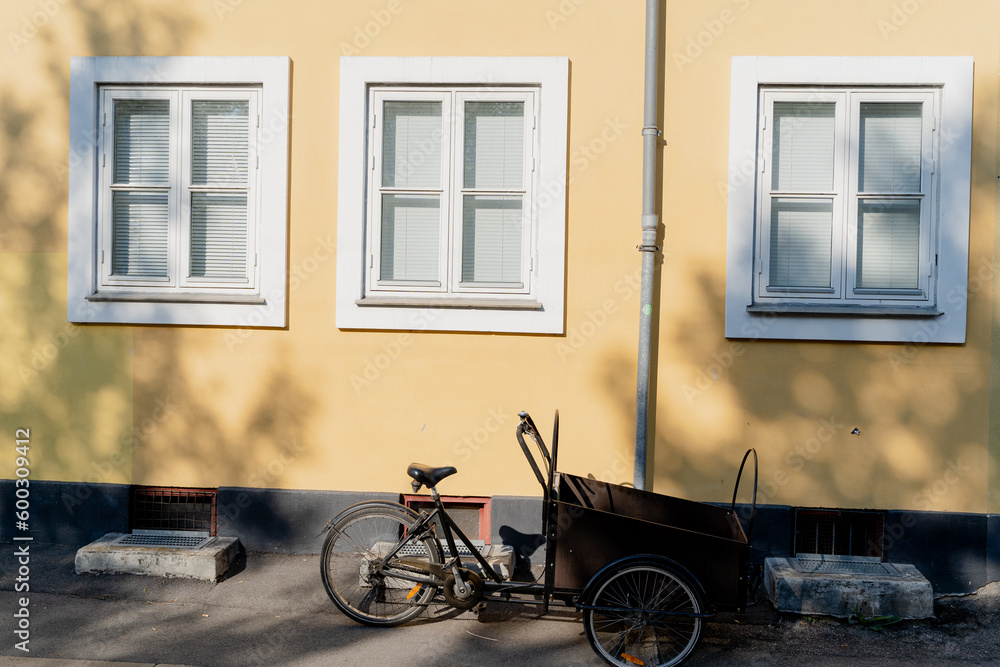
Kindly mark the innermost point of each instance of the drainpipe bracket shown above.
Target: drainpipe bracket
(647, 248)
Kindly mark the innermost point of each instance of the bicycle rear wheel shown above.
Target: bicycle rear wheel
(644, 613)
(351, 552)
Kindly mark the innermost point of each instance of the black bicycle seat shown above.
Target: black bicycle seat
(427, 475)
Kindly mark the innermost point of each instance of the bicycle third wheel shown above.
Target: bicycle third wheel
(644, 613)
(355, 544)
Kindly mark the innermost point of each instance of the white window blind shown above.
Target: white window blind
(411, 191)
(452, 177)
(803, 146)
(803, 153)
(218, 235)
(139, 217)
(410, 237)
(801, 243)
(491, 239)
(220, 142)
(142, 142)
(220, 156)
(179, 199)
(139, 235)
(890, 138)
(492, 226)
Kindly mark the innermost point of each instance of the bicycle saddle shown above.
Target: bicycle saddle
(427, 475)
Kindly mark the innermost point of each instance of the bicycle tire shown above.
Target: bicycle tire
(357, 541)
(644, 613)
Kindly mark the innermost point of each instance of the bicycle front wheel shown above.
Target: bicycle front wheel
(361, 589)
(644, 614)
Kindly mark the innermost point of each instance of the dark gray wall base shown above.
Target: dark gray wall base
(282, 520)
(950, 549)
(993, 547)
(67, 513)
(957, 552)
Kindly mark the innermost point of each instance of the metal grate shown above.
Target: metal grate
(418, 550)
(839, 532)
(168, 541)
(167, 508)
(848, 566)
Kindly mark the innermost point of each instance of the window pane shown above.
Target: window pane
(888, 244)
(218, 235)
(411, 145)
(494, 145)
(491, 239)
(139, 235)
(410, 237)
(890, 147)
(142, 142)
(801, 243)
(220, 142)
(803, 146)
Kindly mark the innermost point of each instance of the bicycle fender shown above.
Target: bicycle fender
(588, 590)
(365, 504)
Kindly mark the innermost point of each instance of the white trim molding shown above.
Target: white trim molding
(540, 310)
(263, 304)
(939, 316)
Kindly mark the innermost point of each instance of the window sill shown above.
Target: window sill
(154, 297)
(853, 310)
(452, 302)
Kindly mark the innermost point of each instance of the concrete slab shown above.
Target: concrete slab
(906, 593)
(207, 563)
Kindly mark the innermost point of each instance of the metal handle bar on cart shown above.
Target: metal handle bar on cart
(753, 510)
(527, 425)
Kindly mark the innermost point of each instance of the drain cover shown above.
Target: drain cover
(859, 567)
(168, 541)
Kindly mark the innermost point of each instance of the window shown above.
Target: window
(851, 222)
(458, 220)
(845, 196)
(170, 218)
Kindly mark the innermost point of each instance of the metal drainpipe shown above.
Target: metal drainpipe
(650, 222)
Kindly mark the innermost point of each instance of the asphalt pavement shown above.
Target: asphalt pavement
(272, 610)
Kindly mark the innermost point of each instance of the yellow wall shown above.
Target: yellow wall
(318, 408)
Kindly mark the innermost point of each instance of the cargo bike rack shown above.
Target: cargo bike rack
(645, 569)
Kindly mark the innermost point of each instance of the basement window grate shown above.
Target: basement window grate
(839, 533)
(167, 541)
(173, 509)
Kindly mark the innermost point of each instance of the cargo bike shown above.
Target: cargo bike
(645, 569)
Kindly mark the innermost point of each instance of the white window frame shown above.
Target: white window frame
(934, 312)
(95, 296)
(535, 306)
